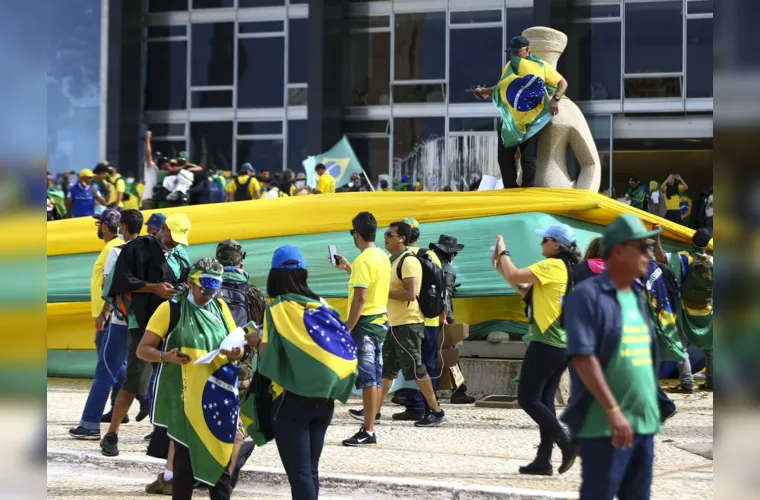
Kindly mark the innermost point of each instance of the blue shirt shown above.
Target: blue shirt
(83, 201)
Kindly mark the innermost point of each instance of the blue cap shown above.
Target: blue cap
(156, 221)
(246, 167)
(560, 232)
(286, 253)
(404, 178)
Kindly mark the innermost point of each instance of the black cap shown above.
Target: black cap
(517, 43)
(701, 238)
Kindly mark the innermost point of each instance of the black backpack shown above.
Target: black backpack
(242, 192)
(235, 295)
(432, 297)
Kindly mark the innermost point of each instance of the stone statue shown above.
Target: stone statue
(566, 129)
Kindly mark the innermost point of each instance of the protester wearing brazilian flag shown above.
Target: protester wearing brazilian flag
(307, 353)
(196, 403)
(527, 96)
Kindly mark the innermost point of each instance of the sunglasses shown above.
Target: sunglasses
(544, 241)
(351, 232)
(644, 247)
(389, 234)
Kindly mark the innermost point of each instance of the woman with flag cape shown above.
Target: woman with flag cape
(197, 404)
(307, 353)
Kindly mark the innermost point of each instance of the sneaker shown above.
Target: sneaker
(408, 416)
(461, 398)
(82, 433)
(144, 410)
(109, 445)
(361, 438)
(679, 389)
(536, 469)
(359, 415)
(665, 417)
(432, 419)
(569, 451)
(159, 486)
(706, 387)
(148, 437)
(106, 418)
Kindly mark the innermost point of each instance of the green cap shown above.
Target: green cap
(626, 227)
(229, 253)
(184, 154)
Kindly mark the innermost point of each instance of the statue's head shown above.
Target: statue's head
(546, 43)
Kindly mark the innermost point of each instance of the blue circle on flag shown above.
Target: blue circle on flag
(220, 403)
(526, 93)
(327, 330)
(332, 168)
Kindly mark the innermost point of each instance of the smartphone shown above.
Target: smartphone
(183, 355)
(333, 250)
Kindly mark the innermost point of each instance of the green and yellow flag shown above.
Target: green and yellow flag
(522, 98)
(198, 403)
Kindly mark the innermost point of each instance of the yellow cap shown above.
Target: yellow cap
(179, 226)
(86, 172)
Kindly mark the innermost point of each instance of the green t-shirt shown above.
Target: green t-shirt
(630, 376)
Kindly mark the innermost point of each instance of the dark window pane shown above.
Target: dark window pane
(700, 7)
(298, 53)
(259, 128)
(476, 16)
(294, 2)
(518, 20)
(297, 139)
(428, 92)
(260, 3)
(365, 127)
(169, 149)
(367, 69)
(479, 124)
(369, 22)
(162, 31)
(699, 58)
(418, 149)
(653, 34)
(212, 4)
(166, 75)
(211, 99)
(211, 144)
(166, 5)
(298, 96)
(262, 27)
(420, 52)
(652, 87)
(468, 67)
(213, 53)
(261, 72)
(265, 153)
(164, 129)
(599, 45)
(373, 156)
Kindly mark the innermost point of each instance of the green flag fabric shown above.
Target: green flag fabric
(340, 162)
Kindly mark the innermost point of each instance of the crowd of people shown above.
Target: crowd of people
(672, 201)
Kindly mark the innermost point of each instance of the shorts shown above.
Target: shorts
(369, 355)
(241, 432)
(402, 350)
(138, 371)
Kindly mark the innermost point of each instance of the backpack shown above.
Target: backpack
(242, 192)
(235, 295)
(432, 297)
(215, 190)
(698, 285)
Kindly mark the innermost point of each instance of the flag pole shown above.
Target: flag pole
(368, 181)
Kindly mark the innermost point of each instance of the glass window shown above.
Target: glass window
(474, 59)
(166, 129)
(477, 124)
(298, 96)
(211, 99)
(298, 136)
(518, 20)
(169, 149)
(652, 87)
(298, 51)
(260, 3)
(475, 16)
(420, 51)
(211, 144)
(365, 127)
(367, 69)
(699, 58)
(262, 27)
(162, 31)
(653, 32)
(426, 92)
(369, 22)
(418, 149)
(259, 128)
(699, 6)
(599, 45)
(293, 2)
(213, 52)
(212, 4)
(166, 5)
(372, 153)
(259, 57)
(261, 153)
(166, 75)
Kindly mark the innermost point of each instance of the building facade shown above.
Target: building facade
(272, 81)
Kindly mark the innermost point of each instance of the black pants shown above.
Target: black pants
(506, 158)
(182, 484)
(300, 425)
(540, 374)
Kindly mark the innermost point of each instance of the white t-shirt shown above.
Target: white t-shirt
(110, 262)
(709, 206)
(150, 174)
(273, 193)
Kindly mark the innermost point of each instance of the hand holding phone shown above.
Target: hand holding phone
(332, 250)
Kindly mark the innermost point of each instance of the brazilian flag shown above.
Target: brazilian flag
(522, 98)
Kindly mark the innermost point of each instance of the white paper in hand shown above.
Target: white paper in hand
(236, 338)
(487, 183)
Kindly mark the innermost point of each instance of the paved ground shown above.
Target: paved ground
(476, 446)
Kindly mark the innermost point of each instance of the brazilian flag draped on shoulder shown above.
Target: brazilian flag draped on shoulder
(522, 98)
(198, 403)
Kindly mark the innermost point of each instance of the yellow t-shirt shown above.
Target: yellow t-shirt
(551, 75)
(371, 270)
(548, 295)
(253, 187)
(401, 312)
(159, 322)
(674, 202)
(96, 281)
(434, 322)
(326, 183)
(117, 185)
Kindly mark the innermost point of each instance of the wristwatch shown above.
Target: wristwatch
(505, 252)
(557, 97)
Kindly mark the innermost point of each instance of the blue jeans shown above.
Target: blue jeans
(110, 371)
(667, 406)
(370, 357)
(607, 471)
(413, 398)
